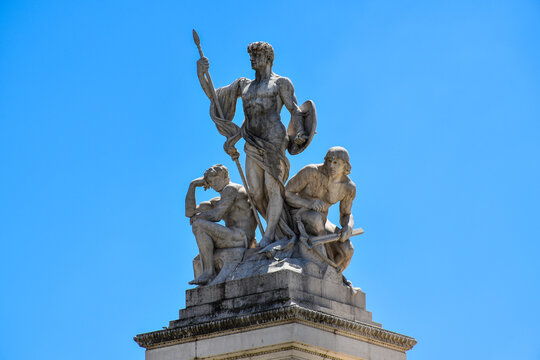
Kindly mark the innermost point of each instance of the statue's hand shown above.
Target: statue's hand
(346, 233)
(199, 182)
(233, 153)
(318, 205)
(203, 65)
(300, 138)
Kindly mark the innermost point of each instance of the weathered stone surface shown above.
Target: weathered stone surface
(283, 314)
(271, 291)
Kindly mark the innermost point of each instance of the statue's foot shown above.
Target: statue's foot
(265, 241)
(347, 282)
(201, 280)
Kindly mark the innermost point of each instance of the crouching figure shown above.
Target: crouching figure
(219, 245)
(311, 192)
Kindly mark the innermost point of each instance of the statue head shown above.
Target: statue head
(337, 161)
(261, 54)
(217, 177)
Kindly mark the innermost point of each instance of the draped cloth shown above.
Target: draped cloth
(227, 100)
(269, 156)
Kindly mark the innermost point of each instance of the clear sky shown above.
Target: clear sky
(103, 126)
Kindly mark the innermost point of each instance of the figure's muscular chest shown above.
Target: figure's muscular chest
(320, 187)
(264, 93)
(335, 193)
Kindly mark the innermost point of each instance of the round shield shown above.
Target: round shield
(310, 125)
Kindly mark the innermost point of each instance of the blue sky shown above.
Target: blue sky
(103, 126)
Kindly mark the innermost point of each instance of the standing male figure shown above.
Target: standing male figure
(232, 207)
(316, 188)
(267, 168)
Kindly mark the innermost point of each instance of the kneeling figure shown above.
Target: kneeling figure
(313, 190)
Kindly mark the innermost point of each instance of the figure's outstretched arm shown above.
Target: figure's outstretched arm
(295, 185)
(296, 201)
(286, 92)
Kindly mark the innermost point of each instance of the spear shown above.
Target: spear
(220, 113)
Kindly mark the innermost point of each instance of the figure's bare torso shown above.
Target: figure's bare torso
(240, 214)
(320, 186)
(262, 106)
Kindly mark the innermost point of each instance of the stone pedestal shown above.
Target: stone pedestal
(283, 314)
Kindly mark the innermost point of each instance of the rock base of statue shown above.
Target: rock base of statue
(284, 313)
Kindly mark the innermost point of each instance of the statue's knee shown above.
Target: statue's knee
(348, 248)
(274, 192)
(319, 228)
(197, 225)
(316, 228)
(272, 186)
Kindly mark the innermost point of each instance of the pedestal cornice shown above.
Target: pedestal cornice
(287, 314)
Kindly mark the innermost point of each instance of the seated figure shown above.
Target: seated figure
(232, 207)
(312, 191)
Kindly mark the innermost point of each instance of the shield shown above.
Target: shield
(310, 125)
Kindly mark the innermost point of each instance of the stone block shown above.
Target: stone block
(358, 298)
(272, 290)
(195, 311)
(256, 284)
(205, 294)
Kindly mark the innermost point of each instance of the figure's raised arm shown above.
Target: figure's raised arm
(202, 73)
(191, 203)
(202, 69)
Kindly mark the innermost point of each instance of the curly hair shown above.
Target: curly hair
(216, 170)
(338, 152)
(264, 47)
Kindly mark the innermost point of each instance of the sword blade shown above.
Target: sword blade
(324, 239)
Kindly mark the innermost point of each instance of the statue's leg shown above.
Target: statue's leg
(339, 252)
(274, 207)
(211, 236)
(206, 251)
(255, 179)
(330, 249)
(344, 253)
(226, 238)
(314, 223)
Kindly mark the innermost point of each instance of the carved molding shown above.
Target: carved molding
(292, 346)
(287, 314)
